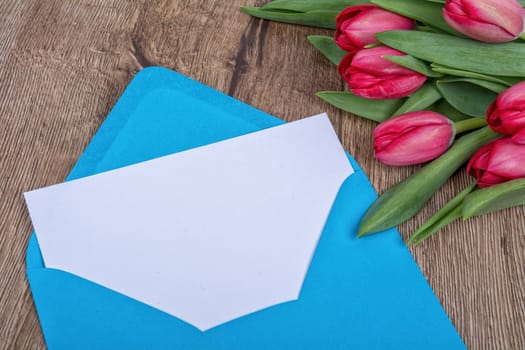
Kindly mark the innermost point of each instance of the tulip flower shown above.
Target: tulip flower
(491, 21)
(497, 162)
(506, 115)
(403, 200)
(356, 26)
(413, 138)
(370, 75)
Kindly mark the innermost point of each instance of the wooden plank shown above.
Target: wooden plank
(64, 64)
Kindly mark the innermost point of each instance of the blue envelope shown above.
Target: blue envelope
(358, 293)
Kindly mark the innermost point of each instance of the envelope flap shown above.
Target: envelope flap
(158, 120)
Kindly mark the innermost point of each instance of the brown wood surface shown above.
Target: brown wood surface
(63, 65)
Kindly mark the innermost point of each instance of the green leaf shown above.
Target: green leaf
(489, 85)
(317, 18)
(423, 11)
(489, 199)
(465, 54)
(450, 212)
(311, 5)
(424, 97)
(450, 112)
(444, 219)
(508, 81)
(467, 98)
(328, 47)
(378, 110)
(406, 198)
(415, 64)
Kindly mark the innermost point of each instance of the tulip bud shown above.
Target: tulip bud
(370, 75)
(413, 138)
(506, 115)
(403, 200)
(491, 21)
(498, 161)
(356, 26)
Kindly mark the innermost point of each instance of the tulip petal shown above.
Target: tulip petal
(366, 25)
(344, 66)
(507, 159)
(418, 146)
(506, 115)
(356, 26)
(343, 36)
(369, 75)
(519, 138)
(479, 161)
(513, 96)
(489, 179)
(481, 31)
(411, 120)
(508, 14)
(373, 62)
(486, 20)
(360, 30)
(499, 161)
(388, 87)
(513, 121)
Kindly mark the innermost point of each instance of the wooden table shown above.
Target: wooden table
(63, 65)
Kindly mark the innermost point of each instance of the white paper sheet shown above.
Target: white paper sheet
(206, 235)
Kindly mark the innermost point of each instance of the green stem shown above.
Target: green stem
(469, 124)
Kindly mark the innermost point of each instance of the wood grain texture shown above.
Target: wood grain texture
(63, 65)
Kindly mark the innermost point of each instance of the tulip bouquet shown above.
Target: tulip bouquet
(445, 81)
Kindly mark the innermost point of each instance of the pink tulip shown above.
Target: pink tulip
(369, 75)
(506, 114)
(413, 138)
(498, 161)
(492, 21)
(356, 26)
